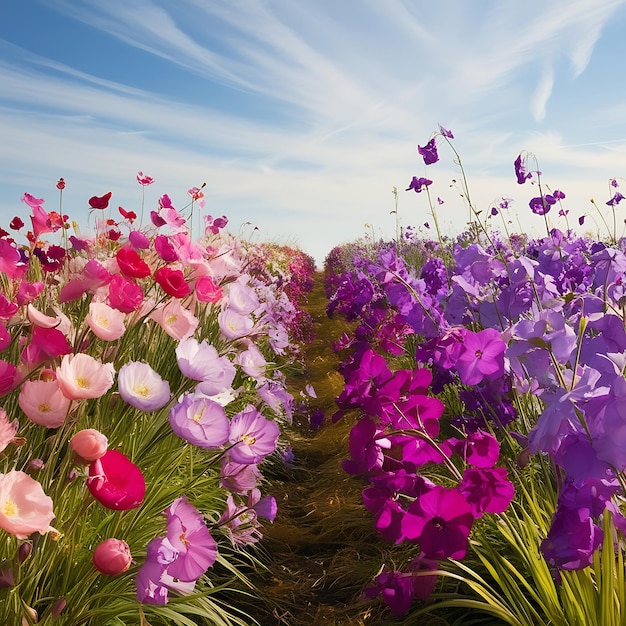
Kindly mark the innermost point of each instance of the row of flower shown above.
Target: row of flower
(141, 393)
(488, 379)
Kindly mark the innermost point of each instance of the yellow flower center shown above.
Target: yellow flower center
(249, 440)
(103, 321)
(83, 383)
(44, 408)
(198, 416)
(9, 508)
(184, 540)
(171, 319)
(141, 390)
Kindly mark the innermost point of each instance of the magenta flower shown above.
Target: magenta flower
(252, 435)
(124, 294)
(429, 152)
(520, 170)
(144, 179)
(116, 482)
(487, 490)
(482, 356)
(440, 520)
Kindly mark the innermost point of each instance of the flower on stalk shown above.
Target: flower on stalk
(200, 421)
(116, 482)
(45, 344)
(252, 436)
(429, 152)
(112, 557)
(44, 402)
(80, 376)
(105, 322)
(520, 170)
(100, 202)
(9, 377)
(124, 294)
(144, 179)
(418, 184)
(141, 387)
(207, 291)
(24, 507)
(234, 325)
(487, 490)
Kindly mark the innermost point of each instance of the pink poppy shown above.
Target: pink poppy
(124, 294)
(105, 322)
(177, 321)
(131, 264)
(116, 482)
(80, 376)
(24, 507)
(9, 377)
(43, 402)
(141, 387)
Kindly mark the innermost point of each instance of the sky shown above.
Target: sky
(300, 117)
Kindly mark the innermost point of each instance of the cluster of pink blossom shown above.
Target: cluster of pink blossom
(119, 349)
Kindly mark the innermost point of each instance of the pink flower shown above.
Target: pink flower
(233, 325)
(31, 201)
(11, 262)
(43, 402)
(45, 344)
(112, 557)
(141, 387)
(28, 292)
(207, 291)
(105, 322)
(89, 445)
(8, 430)
(124, 294)
(131, 264)
(116, 482)
(252, 362)
(9, 377)
(177, 321)
(252, 435)
(144, 179)
(80, 376)
(201, 361)
(196, 195)
(200, 421)
(24, 507)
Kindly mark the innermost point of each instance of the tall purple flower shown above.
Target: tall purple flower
(520, 170)
(429, 152)
(418, 184)
(200, 421)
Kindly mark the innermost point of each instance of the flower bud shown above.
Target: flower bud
(112, 557)
(89, 445)
(57, 607)
(24, 551)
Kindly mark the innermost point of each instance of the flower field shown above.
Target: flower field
(196, 429)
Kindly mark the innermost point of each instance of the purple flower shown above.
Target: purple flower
(520, 170)
(616, 199)
(396, 589)
(141, 387)
(252, 436)
(541, 204)
(200, 421)
(429, 152)
(440, 520)
(445, 132)
(482, 356)
(418, 184)
(196, 550)
(572, 539)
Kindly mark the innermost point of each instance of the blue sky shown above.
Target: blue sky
(301, 117)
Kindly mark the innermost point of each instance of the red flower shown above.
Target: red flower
(100, 202)
(125, 295)
(172, 282)
(16, 223)
(116, 482)
(131, 216)
(61, 183)
(132, 264)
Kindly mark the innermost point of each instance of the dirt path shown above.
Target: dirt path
(321, 548)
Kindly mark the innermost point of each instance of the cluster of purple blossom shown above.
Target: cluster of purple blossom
(488, 321)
